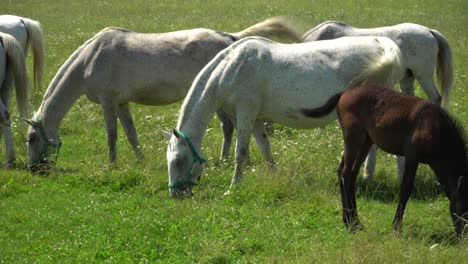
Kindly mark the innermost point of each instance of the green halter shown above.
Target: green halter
(196, 158)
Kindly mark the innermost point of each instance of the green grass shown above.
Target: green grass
(86, 211)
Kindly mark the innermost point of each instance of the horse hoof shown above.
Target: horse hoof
(228, 193)
(9, 164)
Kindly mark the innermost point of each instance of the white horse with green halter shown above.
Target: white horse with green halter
(423, 51)
(257, 80)
(28, 33)
(12, 70)
(116, 67)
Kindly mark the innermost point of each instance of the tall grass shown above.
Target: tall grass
(86, 210)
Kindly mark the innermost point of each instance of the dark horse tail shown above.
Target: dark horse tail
(324, 109)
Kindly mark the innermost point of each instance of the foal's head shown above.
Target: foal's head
(184, 164)
(457, 177)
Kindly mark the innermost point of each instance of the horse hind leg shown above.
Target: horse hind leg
(427, 83)
(407, 84)
(5, 96)
(126, 120)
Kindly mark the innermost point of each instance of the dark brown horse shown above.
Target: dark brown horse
(403, 125)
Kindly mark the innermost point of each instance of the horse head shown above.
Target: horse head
(184, 164)
(459, 205)
(42, 150)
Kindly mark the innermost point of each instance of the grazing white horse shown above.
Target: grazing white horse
(423, 51)
(12, 70)
(257, 80)
(117, 66)
(28, 33)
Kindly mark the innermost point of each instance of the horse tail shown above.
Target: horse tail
(15, 58)
(444, 67)
(273, 27)
(384, 68)
(36, 39)
(324, 109)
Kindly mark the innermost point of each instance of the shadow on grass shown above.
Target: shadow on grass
(387, 189)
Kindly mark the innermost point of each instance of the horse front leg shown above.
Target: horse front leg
(110, 118)
(228, 129)
(244, 130)
(357, 145)
(126, 120)
(406, 187)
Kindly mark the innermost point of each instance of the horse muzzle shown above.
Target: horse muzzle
(42, 167)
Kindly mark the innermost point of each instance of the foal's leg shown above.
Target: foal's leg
(406, 187)
(357, 145)
(110, 117)
(263, 142)
(228, 128)
(127, 122)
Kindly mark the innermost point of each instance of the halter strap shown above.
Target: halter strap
(196, 158)
(57, 145)
(195, 154)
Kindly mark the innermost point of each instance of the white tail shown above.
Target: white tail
(384, 69)
(16, 59)
(36, 40)
(273, 27)
(444, 67)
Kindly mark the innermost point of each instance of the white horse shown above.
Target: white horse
(28, 33)
(423, 51)
(12, 70)
(117, 66)
(257, 80)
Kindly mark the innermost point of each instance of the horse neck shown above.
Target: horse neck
(196, 112)
(59, 99)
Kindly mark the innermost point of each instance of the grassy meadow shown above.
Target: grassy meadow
(87, 211)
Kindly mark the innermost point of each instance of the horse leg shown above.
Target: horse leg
(245, 125)
(126, 120)
(228, 128)
(110, 117)
(357, 145)
(407, 84)
(369, 166)
(406, 187)
(263, 142)
(427, 83)
(5, 96)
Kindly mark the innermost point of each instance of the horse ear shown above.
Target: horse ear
(168, 135)
(176, 134)
(30, 122)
